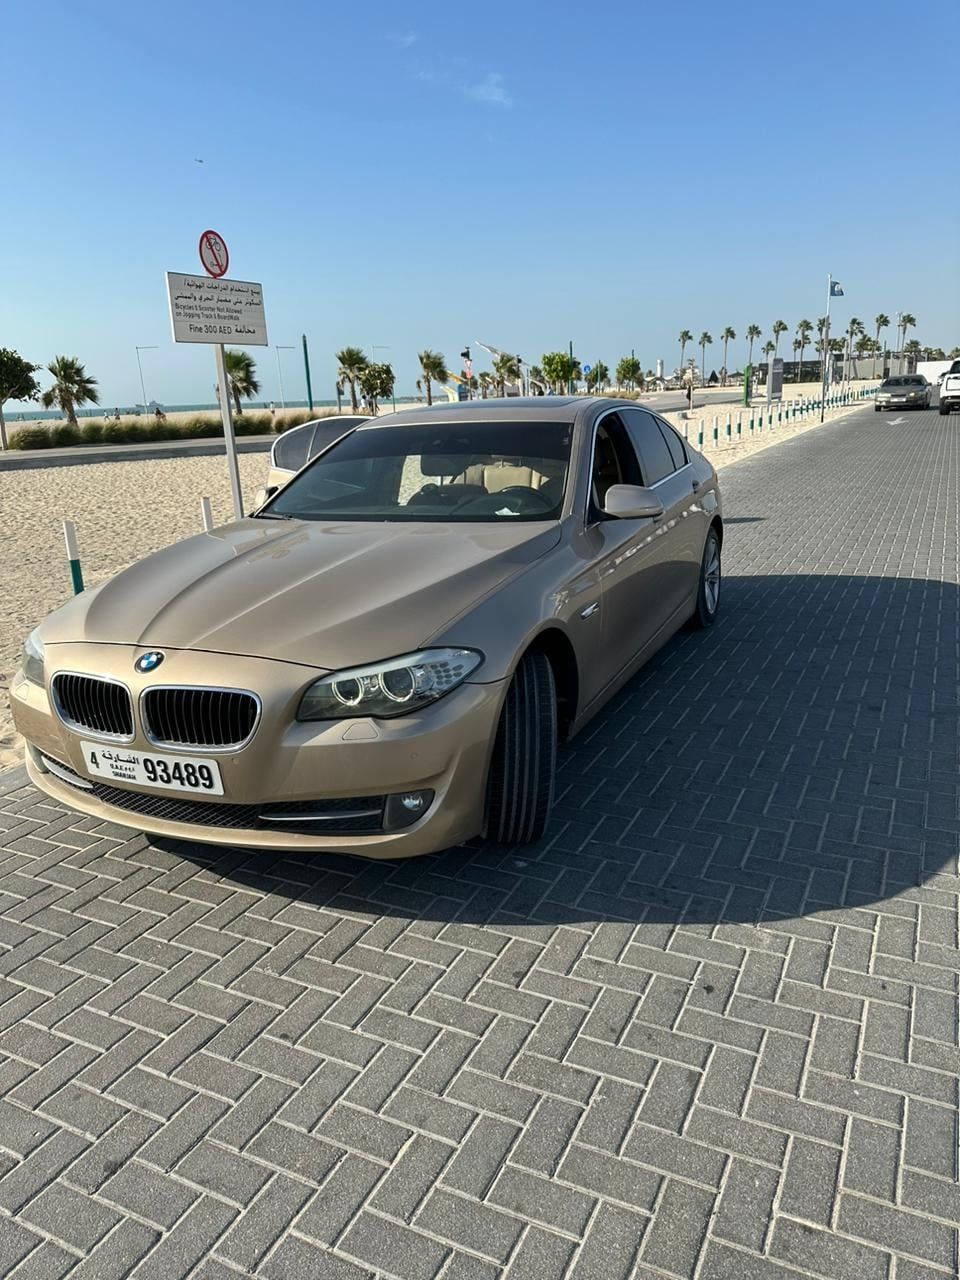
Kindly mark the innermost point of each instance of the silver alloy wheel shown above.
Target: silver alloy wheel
(711, 577)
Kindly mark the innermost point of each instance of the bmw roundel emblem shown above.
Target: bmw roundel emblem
(148, 661)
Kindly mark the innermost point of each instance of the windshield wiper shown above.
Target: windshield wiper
(272, 515)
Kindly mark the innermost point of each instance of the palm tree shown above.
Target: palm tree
(685, 337)
(768, 349)
(854, 329)
(728, 335)
(881, 322)
(907, 321)
(71, 386)
(505, 367)
(804, 330)
(536, 379)
(351, 363)
(912, 348)
(486, 380)
(753, 332)
(705, 341)
(778, 327)
(241, 376)
(434, 369)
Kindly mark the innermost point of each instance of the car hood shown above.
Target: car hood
(324, 594)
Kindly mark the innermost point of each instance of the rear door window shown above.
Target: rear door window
(293, 448)
(325, 434)
(656, 459)
(674, 444)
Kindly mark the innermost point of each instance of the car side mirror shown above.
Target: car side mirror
(631, 502)
(264, 494)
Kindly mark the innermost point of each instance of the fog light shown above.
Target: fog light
(405, 808)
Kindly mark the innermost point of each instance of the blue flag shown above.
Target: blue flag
(836, 289)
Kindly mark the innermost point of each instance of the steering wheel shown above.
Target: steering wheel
(524, 491)
(488, 503)
(429, 493)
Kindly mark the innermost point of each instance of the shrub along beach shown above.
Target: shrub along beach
(131, 429)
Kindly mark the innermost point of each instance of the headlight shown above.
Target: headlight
(393, 688)
(33, 659)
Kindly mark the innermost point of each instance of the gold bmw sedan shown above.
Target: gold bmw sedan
(383, 658)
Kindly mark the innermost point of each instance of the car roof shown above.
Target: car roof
(514, 408)
(331, 418)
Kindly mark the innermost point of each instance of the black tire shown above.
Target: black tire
(524, 764)
(706, 611)
(876, 408)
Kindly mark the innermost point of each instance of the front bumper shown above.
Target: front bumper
(444, 749)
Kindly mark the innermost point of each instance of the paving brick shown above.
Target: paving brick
(541, 1255)
(140, 1190)
(340, 1199)
(117, 1254)
(294, 1259)
(69, 1217)
(362, 1132)
(193, 1237)
(429, 1114)
(215, 1169)
(611, 1246)
(600, 1174)
(411, 1177)
(677, 1232)
(898, 1229)
(303, 1156)
(610, 1114)
(931, 1138)
(547, 1135)
(180, 1135)
(382, 1244)
(480, 1156)
(479, 1228)
(539, 1199)
(745, 1209)
(826, 1253)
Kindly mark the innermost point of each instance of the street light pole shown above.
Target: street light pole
(306, 369)
(143, 393)
(278, 349)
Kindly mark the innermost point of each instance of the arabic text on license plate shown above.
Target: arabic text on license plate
(171, 773)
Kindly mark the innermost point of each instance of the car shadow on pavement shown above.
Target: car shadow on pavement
(800, 756)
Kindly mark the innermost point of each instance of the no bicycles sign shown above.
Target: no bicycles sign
(213, 254)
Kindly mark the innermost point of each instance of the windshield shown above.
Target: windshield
(485, 472)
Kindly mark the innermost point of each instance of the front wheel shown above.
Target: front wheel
(708, 592)
(523, 768)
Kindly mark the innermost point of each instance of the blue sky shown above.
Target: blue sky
(431, 174)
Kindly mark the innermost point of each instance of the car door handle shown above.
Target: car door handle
(590, 610)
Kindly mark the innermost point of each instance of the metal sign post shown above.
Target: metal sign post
(226, 413)
(210, 309)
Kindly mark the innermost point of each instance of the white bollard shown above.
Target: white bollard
(206, 514)
(73, 556)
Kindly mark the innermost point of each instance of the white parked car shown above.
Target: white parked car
(294, 448)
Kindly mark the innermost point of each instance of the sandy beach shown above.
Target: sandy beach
(123, 511)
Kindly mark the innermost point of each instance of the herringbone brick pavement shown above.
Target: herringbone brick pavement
(708, 1028)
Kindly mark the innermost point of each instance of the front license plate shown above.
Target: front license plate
(171, 773)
